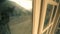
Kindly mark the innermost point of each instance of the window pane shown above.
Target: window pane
(57, 31)
(55, 7)
(48, 14)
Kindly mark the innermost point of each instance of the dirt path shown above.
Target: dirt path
(25, 27)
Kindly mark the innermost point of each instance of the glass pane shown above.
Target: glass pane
(55, 7)
(58, 31)
(16, 17)
(48, 14)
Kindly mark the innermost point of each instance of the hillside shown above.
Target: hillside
(20, 20)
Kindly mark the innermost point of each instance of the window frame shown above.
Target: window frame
(42, 18)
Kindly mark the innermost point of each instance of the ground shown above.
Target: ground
(21, 25)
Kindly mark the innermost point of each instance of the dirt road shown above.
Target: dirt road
(21, 25)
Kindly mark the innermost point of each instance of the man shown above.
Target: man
(5, 10)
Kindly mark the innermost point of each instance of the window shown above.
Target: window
(48, 14)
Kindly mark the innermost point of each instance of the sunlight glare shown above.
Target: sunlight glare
(27, 4)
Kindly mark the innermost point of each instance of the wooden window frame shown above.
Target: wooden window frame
(43, 14)
(39, 13)
(36, 15)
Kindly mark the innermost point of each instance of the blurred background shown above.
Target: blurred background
(21, 18)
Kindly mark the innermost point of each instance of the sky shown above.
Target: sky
(27, 4)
